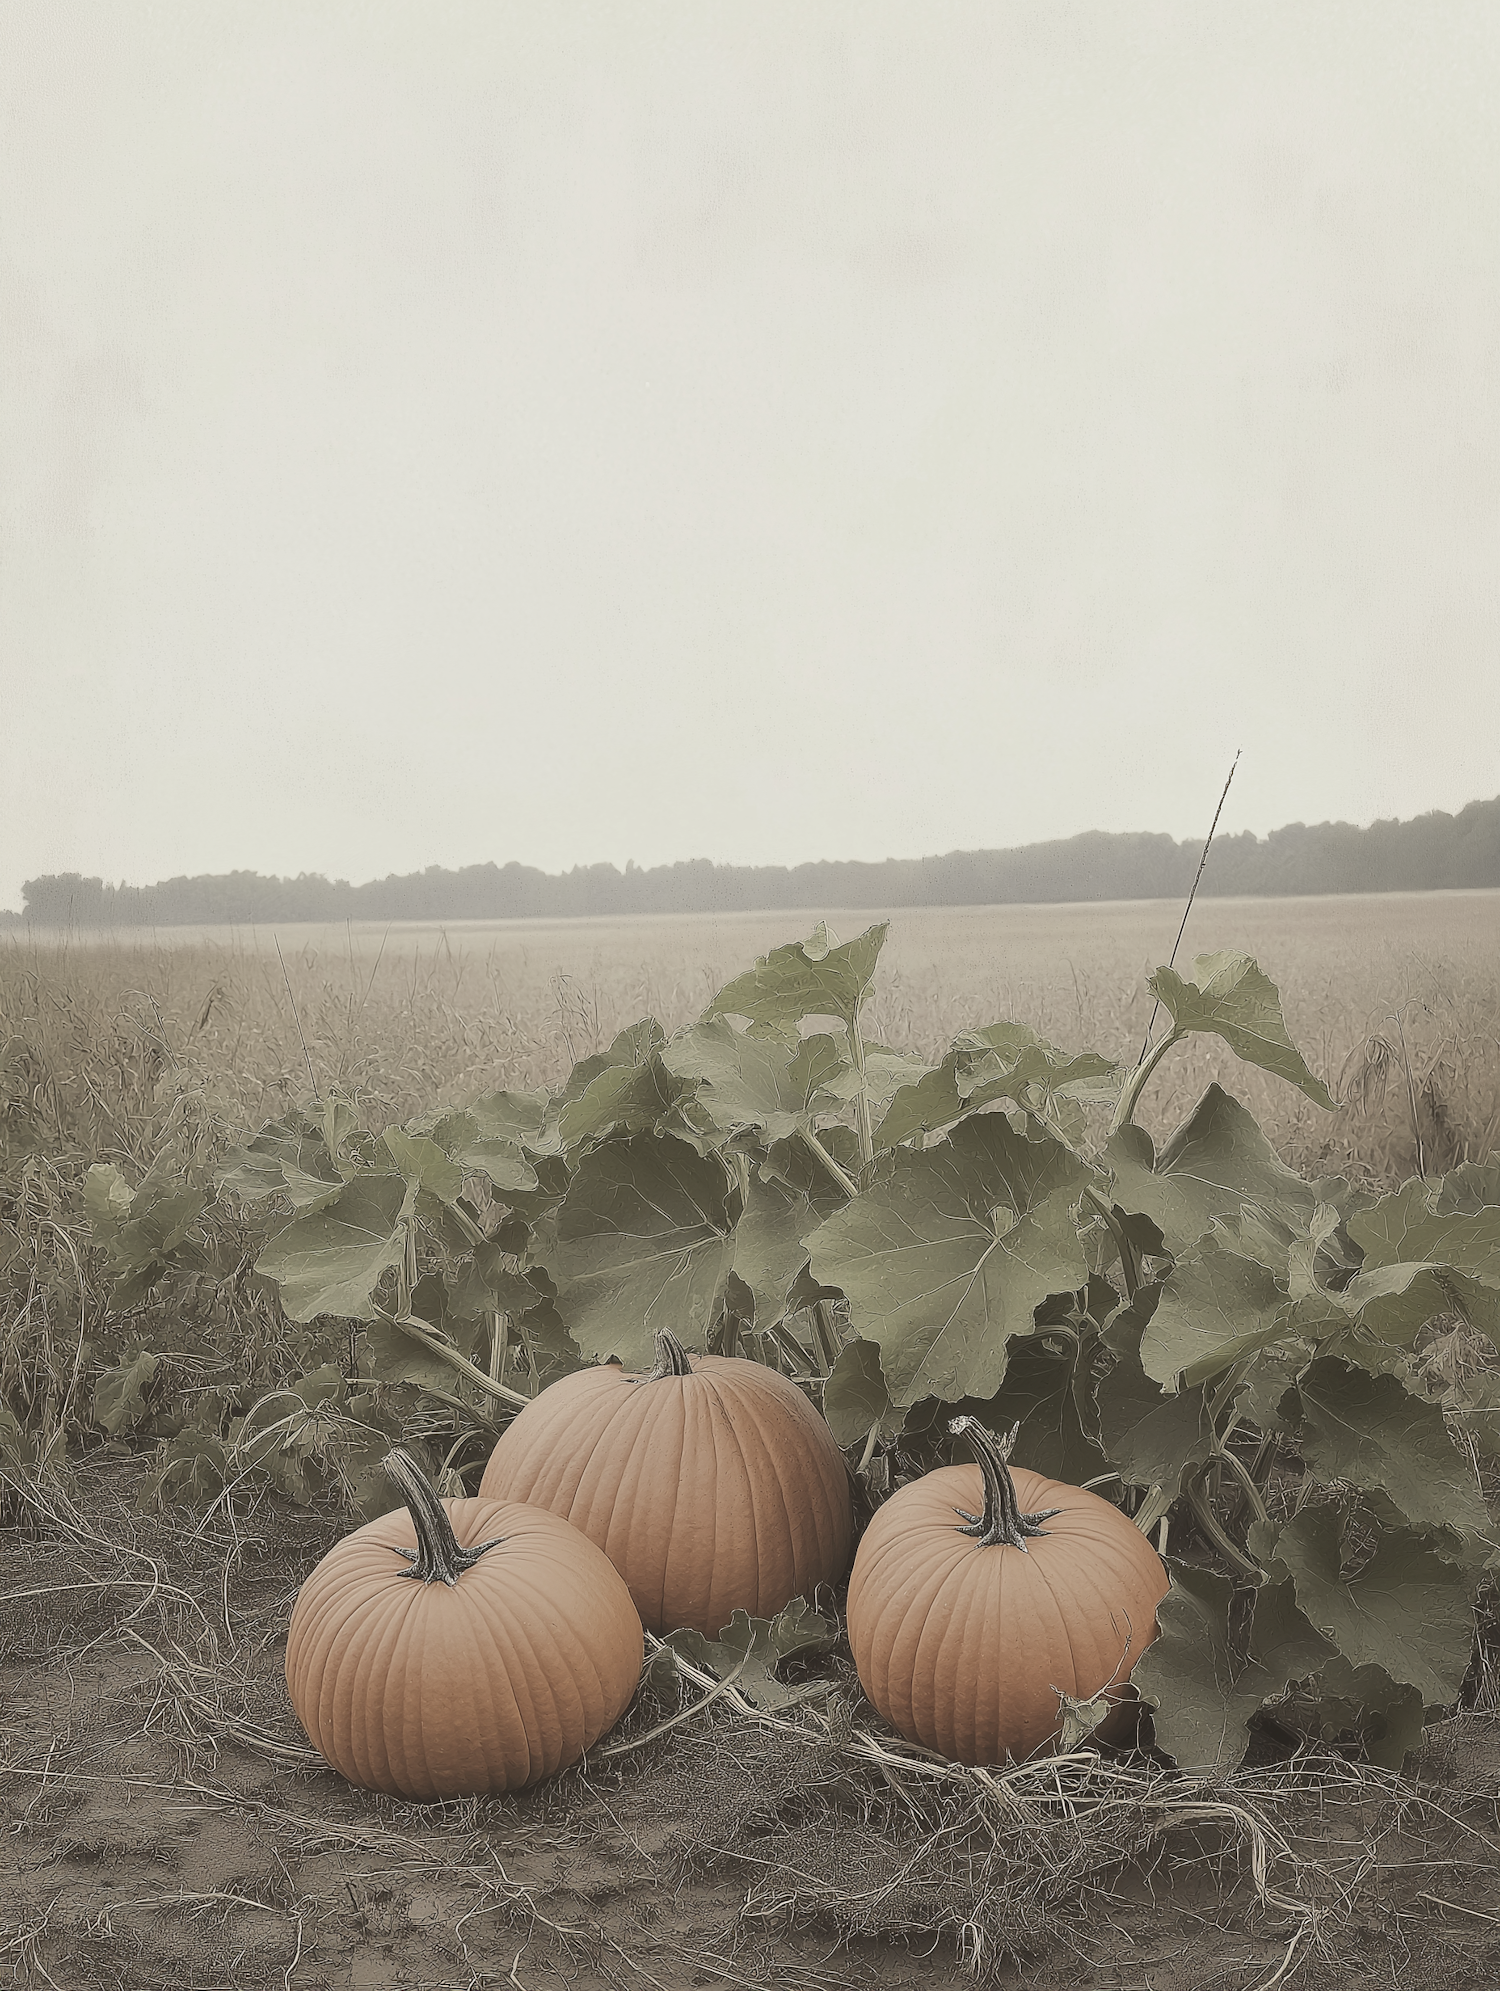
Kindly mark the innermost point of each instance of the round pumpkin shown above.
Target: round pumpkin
(456, 1647)
(967, 1625)
(711, 1483)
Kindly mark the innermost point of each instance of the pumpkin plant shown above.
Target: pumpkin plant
(973, 1632)
(710, 1482)
(458, 1647)
(1236, 1354)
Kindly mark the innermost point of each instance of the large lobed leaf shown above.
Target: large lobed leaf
(1232, 999)
(644, 1238)
(815, 977)
(332, 1261)
(950, 1250)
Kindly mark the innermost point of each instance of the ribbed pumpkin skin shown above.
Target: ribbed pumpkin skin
(708, 1492)
(429, 1692)
(960, 1645)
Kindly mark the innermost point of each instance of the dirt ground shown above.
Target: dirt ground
(164, 1826)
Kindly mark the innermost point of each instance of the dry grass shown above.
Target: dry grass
(113, 1044)
(169, 1824)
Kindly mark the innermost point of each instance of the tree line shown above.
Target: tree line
(1429, 853)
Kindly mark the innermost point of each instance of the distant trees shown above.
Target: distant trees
(1428, 853)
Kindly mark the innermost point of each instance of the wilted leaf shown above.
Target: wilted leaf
(950, 1250)
(643, 1239)
(1406, 1609)
(332, 1261)
(815, 977)
(1214, 1308)
(1232, 999)
(1395, 1301)
(120, 1393)
(1369, 1430)
(797, 1629)
(141, 1231)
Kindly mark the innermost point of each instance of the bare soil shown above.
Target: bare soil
(165, 1827)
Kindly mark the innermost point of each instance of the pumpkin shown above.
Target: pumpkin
(456, 1647)
(967, 1628)
(711, 1483)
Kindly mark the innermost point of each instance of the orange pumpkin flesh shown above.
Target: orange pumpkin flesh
(711, 1484)
(458, 1647)
(966, 1624)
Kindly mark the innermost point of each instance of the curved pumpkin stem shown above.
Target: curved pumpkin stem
(1002, 1520)
(671, 1357)
(437, 1557)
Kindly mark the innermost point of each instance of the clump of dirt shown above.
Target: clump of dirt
(167, 1824)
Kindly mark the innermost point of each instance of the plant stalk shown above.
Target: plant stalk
(845, 1182)
(437, 1557)
(1002, 1521)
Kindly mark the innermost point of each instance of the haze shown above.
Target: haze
(758, 432)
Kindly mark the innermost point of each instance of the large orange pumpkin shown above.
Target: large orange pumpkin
(456, 1647)
(711, 1483)
(966, 1627)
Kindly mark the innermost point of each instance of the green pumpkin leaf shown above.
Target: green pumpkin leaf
(1046, 1393)
(1406, 1609)
(288, 1157)
(797, 1629)
(424, 1164)
(1232, 999)
(855, 1398)
(1365, 1701)
(756, 1082)
(1372, 1432)
(1216, 1163)
(141, 1231)
(782, 1210)
(1151, 1436)
(332, 1261)
(644, 1238)
(1203, 1693)
(815, 977)
(950, 1250)
(1214, 1308)
(1441, 1223)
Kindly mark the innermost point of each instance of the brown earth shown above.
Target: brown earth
(164, 1826)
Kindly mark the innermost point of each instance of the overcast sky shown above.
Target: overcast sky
(764, 432)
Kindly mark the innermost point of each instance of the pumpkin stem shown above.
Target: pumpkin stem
(671, 1357)
(1002, 1519)
(437, 1557)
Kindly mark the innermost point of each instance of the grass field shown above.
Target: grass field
(167, 1824)
(1394, 999)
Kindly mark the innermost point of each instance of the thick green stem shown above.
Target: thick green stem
(866, 1131)
(844, 1181)
(1129, 1264)
(437, 1557)
(1215, 1530)
(1002, 1521)
(1137, 1079)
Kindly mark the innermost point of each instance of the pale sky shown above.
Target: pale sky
(434, 433)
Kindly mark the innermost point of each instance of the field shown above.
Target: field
(169, 1824)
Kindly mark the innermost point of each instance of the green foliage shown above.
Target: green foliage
(1226, 1348)
(751, 1649)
